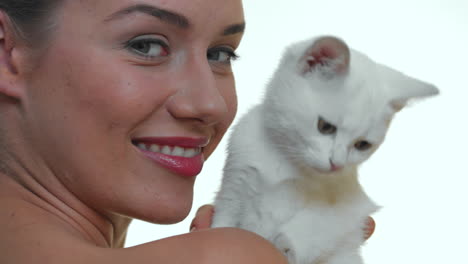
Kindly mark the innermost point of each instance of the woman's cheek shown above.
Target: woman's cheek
(132, 97)
(227, 88)
(230, 98)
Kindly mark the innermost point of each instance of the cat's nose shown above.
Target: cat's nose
(334, 167)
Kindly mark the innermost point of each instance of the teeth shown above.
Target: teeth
(166, 150)
(154, 148)
(172, 151)
(190, 153)
(178, 151)
(142, 146)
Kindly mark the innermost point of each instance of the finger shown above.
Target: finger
(369, 228)
(202, 218)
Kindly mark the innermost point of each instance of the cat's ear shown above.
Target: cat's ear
(328, 55)
(407, 89)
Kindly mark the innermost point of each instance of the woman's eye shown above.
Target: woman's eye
(221, 54)
(362, 145)
(326, 128)
(148, 47)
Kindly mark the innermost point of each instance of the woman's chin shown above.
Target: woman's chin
(171, 214)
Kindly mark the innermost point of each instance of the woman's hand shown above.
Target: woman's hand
(369, 228)
(205, 213)
(203, 218)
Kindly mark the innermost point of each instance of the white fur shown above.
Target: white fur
(278, 180)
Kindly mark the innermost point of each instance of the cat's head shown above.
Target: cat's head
(328, 107)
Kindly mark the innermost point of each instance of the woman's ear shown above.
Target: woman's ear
(9, 75)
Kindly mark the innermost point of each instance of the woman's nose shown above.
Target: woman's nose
(198, 96)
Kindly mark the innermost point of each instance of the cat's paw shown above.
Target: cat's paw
(283, 243)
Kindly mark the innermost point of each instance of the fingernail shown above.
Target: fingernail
(193, 227)
(369, 228)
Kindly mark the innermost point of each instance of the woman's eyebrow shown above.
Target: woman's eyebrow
(234, 29)
(166, 16)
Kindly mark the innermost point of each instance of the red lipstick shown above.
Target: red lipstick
(182, 163)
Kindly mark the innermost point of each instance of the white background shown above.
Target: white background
(419, 175)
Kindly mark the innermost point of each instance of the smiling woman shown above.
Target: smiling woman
(109, 116)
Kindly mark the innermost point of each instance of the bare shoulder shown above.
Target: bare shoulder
(223, 245)
(30, 236)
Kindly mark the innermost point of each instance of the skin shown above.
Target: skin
(71, 178)
(203, 218)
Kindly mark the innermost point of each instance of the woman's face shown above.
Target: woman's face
(131, 97)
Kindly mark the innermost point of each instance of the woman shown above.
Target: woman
(108, 110)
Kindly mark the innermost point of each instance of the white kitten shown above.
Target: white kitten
(291, 171)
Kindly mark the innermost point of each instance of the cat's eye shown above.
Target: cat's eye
(326, 128)
(362, 145)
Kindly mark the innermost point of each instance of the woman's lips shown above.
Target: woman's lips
(180, 155)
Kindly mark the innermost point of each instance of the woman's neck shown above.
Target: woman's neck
(50, 196)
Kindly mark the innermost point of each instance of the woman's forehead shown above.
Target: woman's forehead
(179, 11)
